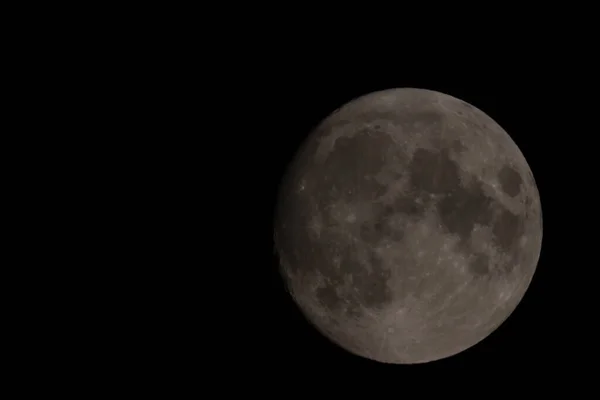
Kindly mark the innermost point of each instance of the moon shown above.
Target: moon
(408, 226)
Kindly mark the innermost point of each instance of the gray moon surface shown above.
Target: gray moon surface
(408, 226)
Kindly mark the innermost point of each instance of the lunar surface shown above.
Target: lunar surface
(408, 226)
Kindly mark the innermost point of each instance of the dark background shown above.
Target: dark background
(241, 101)
(544, 334)
(214, 112)
(238, 115)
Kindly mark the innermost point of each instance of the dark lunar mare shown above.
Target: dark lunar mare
(510, 181)
(360, 157)
(462, 206)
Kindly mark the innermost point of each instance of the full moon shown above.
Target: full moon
(408, 226)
